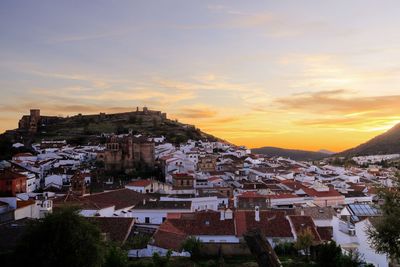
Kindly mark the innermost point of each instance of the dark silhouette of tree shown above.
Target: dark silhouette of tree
(193, 245)
(385, 232)
(62, 239)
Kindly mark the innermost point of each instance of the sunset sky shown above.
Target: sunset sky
(293, 74)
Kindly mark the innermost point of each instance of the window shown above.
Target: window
(164, 219)
(146, 220)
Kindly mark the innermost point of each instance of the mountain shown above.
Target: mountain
(325, 151)
(386, 143)
(290, 153)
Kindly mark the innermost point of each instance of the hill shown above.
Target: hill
(80, 129)
(386, 143)
(290, 153)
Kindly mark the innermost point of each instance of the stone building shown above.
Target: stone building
(207, 163)
(127, 152)
(31, 123)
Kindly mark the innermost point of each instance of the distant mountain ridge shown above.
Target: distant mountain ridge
(290, 153)
(386, 143)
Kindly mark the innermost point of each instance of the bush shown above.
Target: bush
(193, 245)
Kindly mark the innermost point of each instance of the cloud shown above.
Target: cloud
(196, 113)
(340, 101)
(342, 109)
(86, 37)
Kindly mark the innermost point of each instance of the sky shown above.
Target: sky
(293, 74)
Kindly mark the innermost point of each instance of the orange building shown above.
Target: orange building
(11, 182)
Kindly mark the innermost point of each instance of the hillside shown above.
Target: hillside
(82, 129)
(386, 143)
(290, 153)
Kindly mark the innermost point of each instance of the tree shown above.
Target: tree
(161, 261)
(304, 241)
(192, 245)
(63, 238)
(352, 259)
(328, 254)
(116, 257)
(384, 235)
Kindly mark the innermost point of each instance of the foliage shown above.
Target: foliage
(328, 254)
(192, 245)
(63, 238)
(7, 150)
(161, 261)
(304, 241)
(285, 248)
(384, 235)
(116, 257)
(353, 259)
(138, 241)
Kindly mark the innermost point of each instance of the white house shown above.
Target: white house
(155, 212)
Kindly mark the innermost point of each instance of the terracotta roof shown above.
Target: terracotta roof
(169, 237)
(24, 203)
(271, 224)
(23, 155)
(251, 194)
(317, 213)
(118, 228)
(282, 196)
(8, 174)
(121, 198)
(301, 223)
(140, 183)
(325, 232)
(311, 191)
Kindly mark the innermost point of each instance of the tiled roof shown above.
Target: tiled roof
(326, 233)
(8, 174)
(169, 237)
(121, 198)
(251, 194)
(301, 223)
(24, 203)
(317, 213)
(271, 224)
(140, 183)
(118, 228)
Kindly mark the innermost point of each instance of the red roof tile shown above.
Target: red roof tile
(301, 223)
(271, 224)
(140, 183)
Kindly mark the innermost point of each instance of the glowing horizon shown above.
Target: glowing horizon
(306, 76)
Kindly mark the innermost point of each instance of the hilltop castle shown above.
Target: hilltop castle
(31, 123)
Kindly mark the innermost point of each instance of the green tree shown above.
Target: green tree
(116, 257)
(193, 245)
(159, 261)
(328, 254)
(384, 235)
(63, 238)
(304, 241)
(353, 259)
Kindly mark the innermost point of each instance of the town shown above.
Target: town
(142, 187)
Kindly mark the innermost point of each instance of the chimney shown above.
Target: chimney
(222, 215)
(257, 213)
